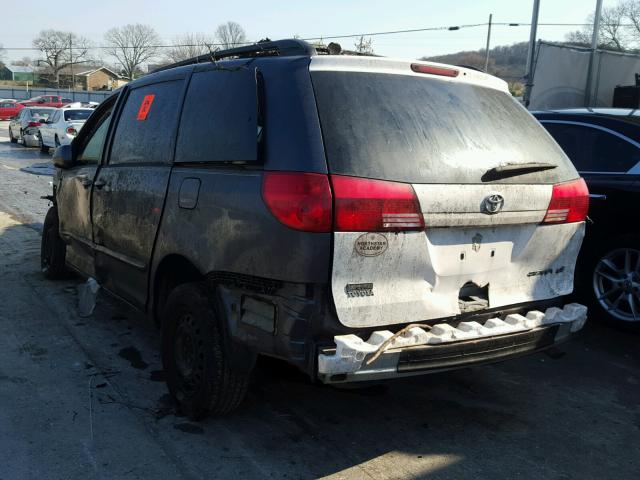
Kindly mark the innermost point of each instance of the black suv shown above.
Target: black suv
(604, 145)
(361, 218)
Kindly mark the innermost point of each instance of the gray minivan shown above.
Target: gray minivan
(361, 218)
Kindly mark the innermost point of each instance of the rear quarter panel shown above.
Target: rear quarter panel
(231, 230)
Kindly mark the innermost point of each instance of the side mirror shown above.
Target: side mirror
(63, 157)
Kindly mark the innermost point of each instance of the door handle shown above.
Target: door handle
(85, 181)
(101, 184)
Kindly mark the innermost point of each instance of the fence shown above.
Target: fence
(21, 93)
(560, 76)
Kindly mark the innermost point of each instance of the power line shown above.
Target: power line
(352, 35)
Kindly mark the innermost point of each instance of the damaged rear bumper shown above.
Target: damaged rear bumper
(446, 347)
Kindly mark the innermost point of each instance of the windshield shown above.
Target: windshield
(422, 130)
(77, 114)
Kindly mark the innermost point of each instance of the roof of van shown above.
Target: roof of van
(328, 58)
(399, 66)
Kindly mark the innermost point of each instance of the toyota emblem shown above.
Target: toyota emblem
(493, 204)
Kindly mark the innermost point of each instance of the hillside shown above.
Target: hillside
(507, 62)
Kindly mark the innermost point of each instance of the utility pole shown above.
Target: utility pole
(592, 56)
(73, 77)
(531, 55)
(486, 58)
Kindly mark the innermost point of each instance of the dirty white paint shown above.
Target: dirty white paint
(420, 274)
(351, 350)
(461, 205)
(347, 63)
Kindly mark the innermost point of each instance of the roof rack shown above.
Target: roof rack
(283, 48)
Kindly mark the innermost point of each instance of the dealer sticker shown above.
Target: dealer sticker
(371, 244)
(145, 107)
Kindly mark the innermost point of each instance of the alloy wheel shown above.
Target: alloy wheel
(616, 284)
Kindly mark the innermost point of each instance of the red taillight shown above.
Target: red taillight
(299, 200)
(33, 124)
(569, 202)
(364, 205)
(71, 131)
(434, 70)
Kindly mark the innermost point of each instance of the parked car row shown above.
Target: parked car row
(9, 108)
(47, 127)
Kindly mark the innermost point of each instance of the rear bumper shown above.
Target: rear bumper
(444, 347)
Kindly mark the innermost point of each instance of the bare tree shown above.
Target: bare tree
(631, 10)
(131, 46)
(230, 35)
(2, 52)
(364, 46)
(189, 46)
(581, 38)
(612, 34)
(23, 62)
(612, 31)
(61, 49)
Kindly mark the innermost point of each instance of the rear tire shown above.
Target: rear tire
(43, 147)
(52, 249)
(610, 282)
(195, 355)
(57, 141)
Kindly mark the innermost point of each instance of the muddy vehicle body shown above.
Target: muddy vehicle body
(360, 218)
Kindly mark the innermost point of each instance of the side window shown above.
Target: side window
(146, 126)
(219, 121)
(91, 150)
(594, 150)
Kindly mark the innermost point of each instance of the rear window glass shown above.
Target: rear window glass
(76, 114)
(42, 113)
(219, 120)
(423, 130)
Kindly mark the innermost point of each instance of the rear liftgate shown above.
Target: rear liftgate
(414, 253)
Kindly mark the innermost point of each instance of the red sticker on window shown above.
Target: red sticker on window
(145, 107)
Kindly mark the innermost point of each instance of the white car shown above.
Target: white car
(62, 127)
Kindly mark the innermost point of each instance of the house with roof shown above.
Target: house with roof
(85, 77)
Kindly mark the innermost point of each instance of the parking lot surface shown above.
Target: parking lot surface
(85, 397)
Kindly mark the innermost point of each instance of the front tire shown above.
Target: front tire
(195, 355)
(52, 249)
(12, 139)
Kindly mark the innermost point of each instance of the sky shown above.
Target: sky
(283, 19)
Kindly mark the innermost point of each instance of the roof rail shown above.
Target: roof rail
(284, 48)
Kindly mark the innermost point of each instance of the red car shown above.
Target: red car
(9, 109)
(47, 101)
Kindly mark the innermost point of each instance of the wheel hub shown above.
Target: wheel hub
(616, 283)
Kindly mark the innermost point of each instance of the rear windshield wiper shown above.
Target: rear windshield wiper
(515, 169)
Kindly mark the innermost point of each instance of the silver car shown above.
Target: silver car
(62, 127)
(25, 126)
